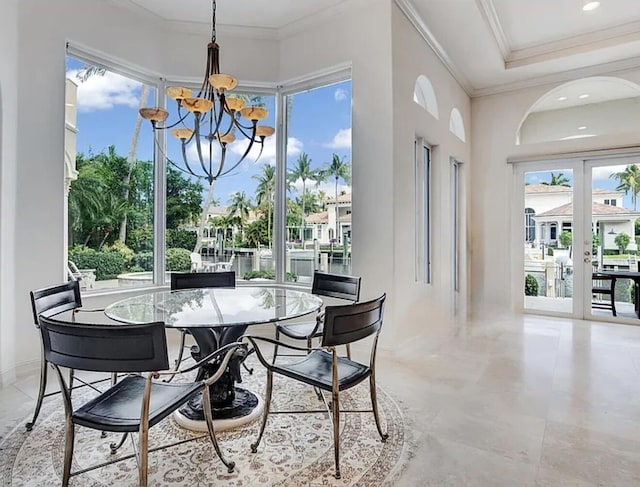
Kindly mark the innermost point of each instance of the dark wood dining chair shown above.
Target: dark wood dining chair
(337, 286)
(324, 369)
(195, 280)
(603, 292)
(135, 403)
(51, 301)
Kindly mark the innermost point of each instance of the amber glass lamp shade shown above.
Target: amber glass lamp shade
(154, 114)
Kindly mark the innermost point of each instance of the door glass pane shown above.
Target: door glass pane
(614, 218)
(548, 238)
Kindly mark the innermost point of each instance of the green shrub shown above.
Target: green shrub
(178, 238)
(530, 285)
(178, 260)
(122, 249)
(270, 274)
(107, 264)
(550, 251)
(566, 238)
(143, 260)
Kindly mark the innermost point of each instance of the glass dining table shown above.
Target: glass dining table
(216, 317)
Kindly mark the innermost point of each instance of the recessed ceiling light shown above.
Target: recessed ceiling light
(562, 98)
(583, 96)
(590, 5)
(582, 127)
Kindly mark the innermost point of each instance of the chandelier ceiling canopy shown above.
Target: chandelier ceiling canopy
(211, 117)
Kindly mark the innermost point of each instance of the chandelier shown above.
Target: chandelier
(211, 117)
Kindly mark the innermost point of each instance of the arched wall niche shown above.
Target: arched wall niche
(425, 96)
(456, 125)
(583, 108)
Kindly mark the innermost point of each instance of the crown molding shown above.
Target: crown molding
(490, 15)
(414, 18)
(614, 67)
(570, 46)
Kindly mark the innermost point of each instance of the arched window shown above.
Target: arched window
(529, 225)
(424, 95)
(588, 107)
(456, 125)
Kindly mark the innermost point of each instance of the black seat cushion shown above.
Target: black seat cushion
(118, 409)
(315, 370)
(300, 331)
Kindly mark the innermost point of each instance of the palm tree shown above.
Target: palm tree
(338, 168)
(239, 206)
(265, 192)
(558, 180)
(302, 170)
(629, 181)
(83, 75)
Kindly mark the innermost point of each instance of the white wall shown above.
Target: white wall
(361, 35)
(495, 120)
(424, 308)
(8, 164)
(611, 117)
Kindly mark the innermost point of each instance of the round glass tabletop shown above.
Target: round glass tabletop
(214, 307)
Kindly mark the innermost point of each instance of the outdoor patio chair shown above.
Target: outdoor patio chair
(323, 369)
(136, 403)
(603, 292)
(52, 301)
(224, 266)
(197, 280)
(329, 285)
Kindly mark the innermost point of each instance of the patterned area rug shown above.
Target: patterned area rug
(296, 450)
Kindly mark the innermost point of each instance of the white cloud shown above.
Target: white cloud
(340, 94)
(105, 92)
(328, 187)
(604, 172)
(342, 140)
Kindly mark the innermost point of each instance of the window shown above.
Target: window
(422, 170)
(318, 155)
(611, 202)
(232, 218)
(109, 174)
(529, 225)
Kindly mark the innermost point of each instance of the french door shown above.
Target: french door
(576, 217)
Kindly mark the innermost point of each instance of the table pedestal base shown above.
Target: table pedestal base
(246, 407)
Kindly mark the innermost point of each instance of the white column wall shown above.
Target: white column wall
(497, 260)
(424, 309)
(360, 34)
(8, 164)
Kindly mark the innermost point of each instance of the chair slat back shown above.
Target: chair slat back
(336, 286)
(55, 299)
(194, 280)
(105, 348)
(352, 322)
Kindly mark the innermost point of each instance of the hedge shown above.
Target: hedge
(107, 264)
(178, 260)
(271, 274)
(178, 238)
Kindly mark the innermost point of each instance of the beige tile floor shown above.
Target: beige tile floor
(515, 402)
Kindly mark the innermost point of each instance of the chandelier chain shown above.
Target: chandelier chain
(213, 21)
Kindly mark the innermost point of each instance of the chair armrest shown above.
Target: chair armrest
(261, 358)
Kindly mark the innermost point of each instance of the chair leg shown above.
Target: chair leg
(116, 446)
(143, 450)
(206, 401)
(374, 404)
(267, 405)
(335, 409)
(309, 344)
(348, 345)
(71, 377)
(275, 347)
(41, 391)
(68, 451)
(181, 350)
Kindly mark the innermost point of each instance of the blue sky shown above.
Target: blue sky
(320, 126)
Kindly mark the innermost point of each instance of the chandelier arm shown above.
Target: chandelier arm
(199, 144)
(246, 153)
(186, 161)
(170, 161)
(223, 157)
